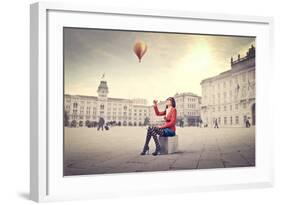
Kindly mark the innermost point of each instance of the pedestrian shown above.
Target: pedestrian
(248, 124)
(181, 122)
(100, 123)
(106, 127)
(200, 123)
(216, 123)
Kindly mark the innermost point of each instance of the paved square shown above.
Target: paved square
(88, 151)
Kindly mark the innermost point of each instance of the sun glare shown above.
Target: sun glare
(198, 57)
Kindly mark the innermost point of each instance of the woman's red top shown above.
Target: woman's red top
(170, 119)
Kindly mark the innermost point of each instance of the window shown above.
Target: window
(75, 105)
(231, 120)
(245, 118)
(224, 108)
(102, 107)
(237, 120)
(225, 120)
(230, 107)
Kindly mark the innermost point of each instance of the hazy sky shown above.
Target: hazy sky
(173, 62)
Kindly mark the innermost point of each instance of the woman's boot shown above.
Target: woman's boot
(146, 147)
(157, 145)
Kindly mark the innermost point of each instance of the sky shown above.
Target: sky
(173, 63)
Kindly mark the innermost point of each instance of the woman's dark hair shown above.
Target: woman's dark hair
(172, 100)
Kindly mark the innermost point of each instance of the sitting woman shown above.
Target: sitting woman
(165, 130)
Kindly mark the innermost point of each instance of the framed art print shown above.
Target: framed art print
(126, 102)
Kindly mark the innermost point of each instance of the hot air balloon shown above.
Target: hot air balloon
(140, 49)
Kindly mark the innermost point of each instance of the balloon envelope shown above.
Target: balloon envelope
(140, 49)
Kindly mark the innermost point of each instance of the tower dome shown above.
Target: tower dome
(102, 89)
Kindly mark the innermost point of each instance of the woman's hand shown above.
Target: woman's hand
(155, 102)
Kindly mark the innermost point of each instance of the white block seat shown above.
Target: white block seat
(168, 145)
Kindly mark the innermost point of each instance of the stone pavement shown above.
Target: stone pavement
(88, 151)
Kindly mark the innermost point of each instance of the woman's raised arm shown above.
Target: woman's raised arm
(157, 112)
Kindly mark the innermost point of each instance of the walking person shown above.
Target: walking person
(248, 124)
(216, 123)
(165, 130)
(181, 122)
(100, 123)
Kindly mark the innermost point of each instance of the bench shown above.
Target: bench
(168, 145)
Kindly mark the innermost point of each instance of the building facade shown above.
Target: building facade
(229, 98)
(81, 110)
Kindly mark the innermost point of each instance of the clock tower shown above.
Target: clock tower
(102, 90)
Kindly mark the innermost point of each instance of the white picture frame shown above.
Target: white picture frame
(46, 180)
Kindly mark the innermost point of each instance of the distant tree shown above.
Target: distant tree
(180, 121)
(94, 124)
(87, 123)
(73, 123)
